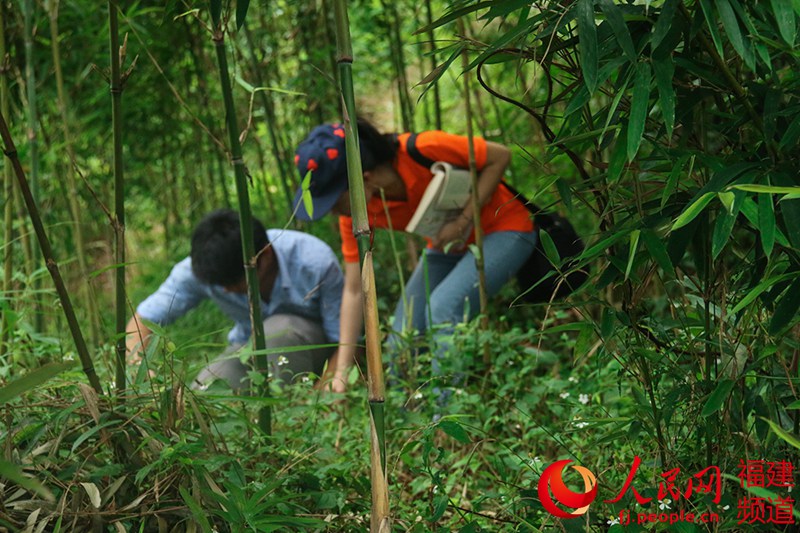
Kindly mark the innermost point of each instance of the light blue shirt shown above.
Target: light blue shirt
(309, 284)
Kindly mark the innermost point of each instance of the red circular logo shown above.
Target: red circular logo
(552, 481)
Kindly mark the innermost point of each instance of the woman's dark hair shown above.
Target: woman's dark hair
(217, 247)
(376, 147)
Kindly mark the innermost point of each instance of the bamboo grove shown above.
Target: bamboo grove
(667, 131)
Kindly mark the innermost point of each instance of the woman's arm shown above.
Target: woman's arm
(350, 322)
(497, 160)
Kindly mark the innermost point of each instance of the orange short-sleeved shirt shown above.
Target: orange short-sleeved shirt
(503, 212)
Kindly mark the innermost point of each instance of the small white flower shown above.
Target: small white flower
(664, 504)
(282, 360)
(435, 489)
(584, 398)
(305, 379)
(459, 392)
(572, 379)
(564, 395)
(418, 396)
(726, 507)
(612, 521)
(789, 489)
(581, 425)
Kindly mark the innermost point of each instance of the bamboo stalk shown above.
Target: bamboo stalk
(246, 226)
(476, 206)
(8, 188)
(74, 207)
(379, 520)
(63, 295)
(437, 102)
(116, 89)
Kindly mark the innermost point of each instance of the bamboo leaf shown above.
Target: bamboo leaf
(766, 223)
(94, 494)
(638, 114)
(664, 70)
(658, 251)
(786, 309)
(549, 246)
(216, 11)
(92, 432)
(727, 199)
(617, 162)
(308, 202)
(693, 210)
(796, 5)
(766, 189)
(632, 246)
(453, 15)
(757, 291)
(664, 23)
(587, 31)
(731, 25)
(14, 473)
(198, 513)
(717, 398)
(31, 380)
(724, 224)
(455, 430)
(241, 12)
(782, 433)
(614, 16)
(784, 15)
(711, 22)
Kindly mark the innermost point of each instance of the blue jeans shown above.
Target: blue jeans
(452, 281)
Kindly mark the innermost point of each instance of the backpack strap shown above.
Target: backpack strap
(416, 155)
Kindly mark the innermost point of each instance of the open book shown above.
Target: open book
(442, 201)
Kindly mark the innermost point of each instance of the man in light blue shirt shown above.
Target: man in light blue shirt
(300, 283)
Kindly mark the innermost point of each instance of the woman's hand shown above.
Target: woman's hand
(454, 233)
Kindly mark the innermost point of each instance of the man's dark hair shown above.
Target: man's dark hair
(376, 147)
(217, 247)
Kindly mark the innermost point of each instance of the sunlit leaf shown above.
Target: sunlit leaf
(766, 223)
(632, 246)
(693, 210)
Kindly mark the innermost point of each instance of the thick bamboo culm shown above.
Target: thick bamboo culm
(246, 226)
(476, 206)
(44, 243)
(379, 518)
(119, 195)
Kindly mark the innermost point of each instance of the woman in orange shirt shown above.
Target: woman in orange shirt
(452, 277)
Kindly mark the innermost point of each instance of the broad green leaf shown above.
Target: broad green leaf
(549, 246)
(784, 15)
(792, 133)
(587, 32)
(633, 245)
(658, 251)
(14, 473)
(711, 22)
(612, 109)
(614, 16)
(787, 308)
(756, 291)
(766, 223)
(693, 210)
(216, 11)
(639, 108)
(564, 192)
(717, 398)
(453, 15)
(734, 31)
(241, 12)
(782, 433)
(663, 23)
(580, 99)
(31, 380)
(796, 6)
(455, 430)
(664, 69)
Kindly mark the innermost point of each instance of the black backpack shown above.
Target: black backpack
(538, 277)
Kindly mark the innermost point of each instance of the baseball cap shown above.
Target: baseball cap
(323, 154)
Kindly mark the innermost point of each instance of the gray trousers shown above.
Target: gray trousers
(282, 331)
